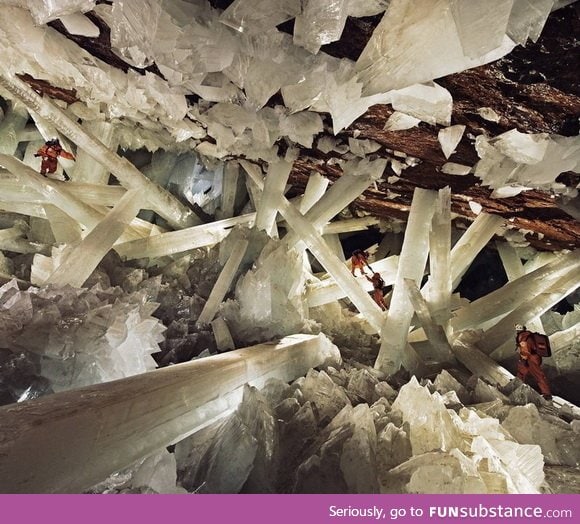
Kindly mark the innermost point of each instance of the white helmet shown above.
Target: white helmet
(520, 327)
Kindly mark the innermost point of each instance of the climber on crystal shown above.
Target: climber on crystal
(530, 362)
(50, 152)
(359, 259)
(378, 285)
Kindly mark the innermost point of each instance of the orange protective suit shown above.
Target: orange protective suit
(358, 261)
(530, 363)
(50, 154)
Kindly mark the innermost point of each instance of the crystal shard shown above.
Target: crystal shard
(320, 22)
(449, 137)
(389, 63)
(251, 17)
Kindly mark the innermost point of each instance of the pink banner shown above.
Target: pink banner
(286, 509)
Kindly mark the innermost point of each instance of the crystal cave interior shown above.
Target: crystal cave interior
(179, 312)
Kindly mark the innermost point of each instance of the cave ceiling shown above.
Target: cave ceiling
(534, 89)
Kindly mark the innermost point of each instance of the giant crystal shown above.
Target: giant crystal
(406, 46)
(411, 265)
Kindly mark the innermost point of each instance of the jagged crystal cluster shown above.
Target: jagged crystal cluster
(348, 431)
(77, 337)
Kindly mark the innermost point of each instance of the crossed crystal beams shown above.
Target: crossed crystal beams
(79, 437)
(307, 233)
(161, 201)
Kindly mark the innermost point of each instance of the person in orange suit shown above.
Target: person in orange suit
(530, 363)
(378, 285)
(359, 260)
(49, 153)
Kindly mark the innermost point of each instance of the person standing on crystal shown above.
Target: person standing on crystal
(530, 363)
(378, 285)
(359, 259)
(50, 152)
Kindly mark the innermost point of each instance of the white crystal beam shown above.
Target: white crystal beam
(412, 266)
(69, 441)
(84, 258)
(223, 282)
(315, 188)
(449, 137)
(64, 228)
(86, 169)
(11, 128)
(328, 290)
(52, 192)
(20, 245)
(98, 195)
(500, 337)
(514, 269)
(349, 226)
(306, 233)
(352, 183)
(161, 201)
(222, 335)
(475, 238)
(229, 189)
(509, 297)
(439, 294)
(478, 362)
(435, 333)
(274, 185)
(183, 240)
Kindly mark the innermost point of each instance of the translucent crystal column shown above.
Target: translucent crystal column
(11, 127)
(500, 337)
(435, 333)
(64, 228)
(478, 362)
(274, 185)
(86, 169)
(439, 289)
(69, 441)
(306, 233)
(412, 266)
(513, 294)
(333, 242)
(315, 188)
(478, 234)
(514, 269)
(183, 240)
(52, 192)
(222, 335)
(229, 189)
(349, 225)
(223, 282)
(161, 201)
(84, 258)
(353, 182)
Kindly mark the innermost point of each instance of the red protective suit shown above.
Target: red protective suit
(50, 154)
(530, 363)
(378, 284)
